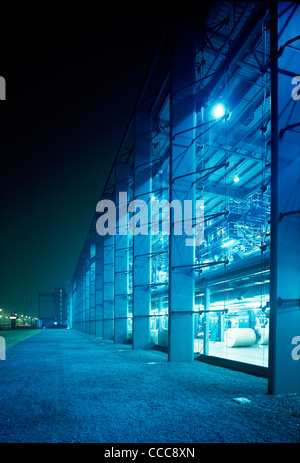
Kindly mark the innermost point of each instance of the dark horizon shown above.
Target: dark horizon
(73, 74)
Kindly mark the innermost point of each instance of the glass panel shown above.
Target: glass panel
(233, 161)
(239, 332)
(159, 321)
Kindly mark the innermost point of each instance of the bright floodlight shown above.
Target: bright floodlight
(219, 110)
(227, 243)
(236, 178)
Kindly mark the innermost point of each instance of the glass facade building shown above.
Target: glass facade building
(203, 258)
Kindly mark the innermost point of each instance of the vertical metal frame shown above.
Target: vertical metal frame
(142, 243)
(284, 371)
(108, 283)
(182, 165)
(121, 267)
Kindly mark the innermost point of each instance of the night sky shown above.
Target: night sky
(73, 73)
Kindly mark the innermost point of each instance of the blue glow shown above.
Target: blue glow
(228, 243)
(219, 110)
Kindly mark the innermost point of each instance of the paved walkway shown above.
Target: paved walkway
(65, 386)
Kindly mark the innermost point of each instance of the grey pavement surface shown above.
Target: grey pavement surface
(62, 386)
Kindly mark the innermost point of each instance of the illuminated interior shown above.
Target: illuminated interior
(231, 267)
(234, 257)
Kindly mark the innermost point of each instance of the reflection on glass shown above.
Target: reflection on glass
(239, 331)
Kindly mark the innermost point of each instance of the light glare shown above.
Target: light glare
(219, 110)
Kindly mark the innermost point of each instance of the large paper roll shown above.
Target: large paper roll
(263, 335)
(239, 337)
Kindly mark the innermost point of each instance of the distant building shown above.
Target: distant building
(53, 308)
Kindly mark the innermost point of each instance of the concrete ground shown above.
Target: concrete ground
(63, 386)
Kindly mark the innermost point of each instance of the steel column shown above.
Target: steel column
(284, 368)
(182, 163)
(92, 281)
(121, 254)
(99, 286)
(141, 243)
(108, 284)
